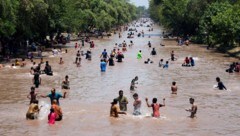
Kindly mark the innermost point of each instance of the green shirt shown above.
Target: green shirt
(123, 103)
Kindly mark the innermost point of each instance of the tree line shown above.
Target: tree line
(214, 22)
(22, 20)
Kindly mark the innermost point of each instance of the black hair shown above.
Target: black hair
(174, 83)
(154, 100)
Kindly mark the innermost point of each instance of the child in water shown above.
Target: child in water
(52, 117)
(166, 65)
(155, 106)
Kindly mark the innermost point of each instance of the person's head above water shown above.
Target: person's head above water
(140, 50)
(217, 79)
(32, 88)
(115, 101)
(136, 78)
(135, 96)
(174, 83)
(153, 49)
(121, 93)
(191, 100)
(104, 50)
(53, 91)
(154, 100)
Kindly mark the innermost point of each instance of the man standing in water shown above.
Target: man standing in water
(122, 101)
(193, 110)
(103, 66)
(220, 84)
(53, 95)
(174, 88)
(36, 79)
(137, 105)
(139, 55)
(32, 95)
(132, 87)
(155, 106)
(114, 111)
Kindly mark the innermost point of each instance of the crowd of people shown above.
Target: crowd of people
(119, 104)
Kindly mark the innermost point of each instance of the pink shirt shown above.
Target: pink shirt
(156, 108)
(51, 118)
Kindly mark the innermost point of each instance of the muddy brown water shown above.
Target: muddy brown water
(86, 108)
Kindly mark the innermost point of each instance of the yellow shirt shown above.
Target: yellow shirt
(114, 110)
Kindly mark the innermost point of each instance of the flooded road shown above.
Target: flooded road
(86, 108)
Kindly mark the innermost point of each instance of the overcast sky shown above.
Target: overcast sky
(140, 2)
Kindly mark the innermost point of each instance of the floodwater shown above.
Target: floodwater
(86, 108)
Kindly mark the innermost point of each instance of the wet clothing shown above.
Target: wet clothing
(172, 56)
(139, 55)
(48, 70)
(32, 111)
(132, 85)
(153, 52)
(66, 85)
(122, 103)
(103, 66)
(56, 96)
(114, 110)
(156, 107)
(120, 57)
(111, 61)
(36, 80)
(104, 54)
(192, 62)
(58, 112)
(33, 97)
(165, 66)
(221, 86)
(160, 64)
(52, 118)
(136, 110)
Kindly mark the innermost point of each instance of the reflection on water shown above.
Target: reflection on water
(86, 109)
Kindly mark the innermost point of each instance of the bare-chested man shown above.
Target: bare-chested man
(193, 110)
(174, 88)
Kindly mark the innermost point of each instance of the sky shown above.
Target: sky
(140, 2)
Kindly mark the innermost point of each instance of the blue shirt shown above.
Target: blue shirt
(104, 54)
(56, 96)
(103, 66)
(165, 66)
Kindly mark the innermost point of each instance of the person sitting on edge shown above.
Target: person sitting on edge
(155, 106)
(137, 105)
(174, 88)
(103, 65)
(54, 95)
(153, 52)
(220, 84)
(57, 110)
(160, 64)
(114, 111)
(166, 65)
(193, 109)
(122, 101)
(33, 111)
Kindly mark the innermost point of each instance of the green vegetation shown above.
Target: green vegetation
(214, 22)
(33, 20)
